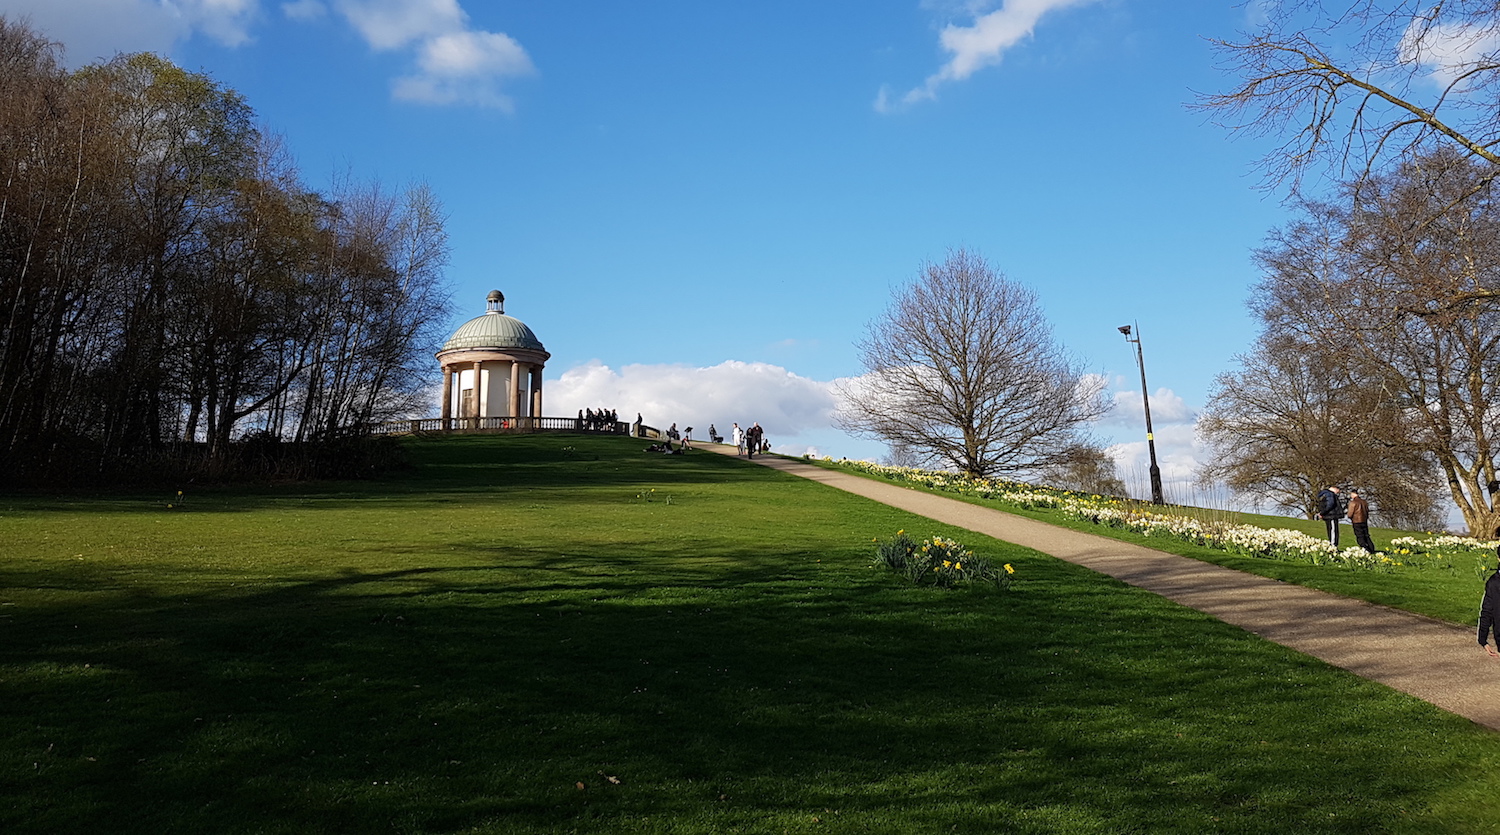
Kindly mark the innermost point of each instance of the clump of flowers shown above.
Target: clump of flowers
(938, 562)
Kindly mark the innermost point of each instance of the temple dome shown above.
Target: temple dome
(494, 329)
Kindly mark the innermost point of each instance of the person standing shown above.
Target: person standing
(1359, 520)
(739, 439)
(1489, 609)
(1331, 511)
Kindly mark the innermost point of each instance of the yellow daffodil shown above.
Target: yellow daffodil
(947, 564)
(958, 566)
(1009, 569)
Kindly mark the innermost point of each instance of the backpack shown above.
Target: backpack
(1329, 506)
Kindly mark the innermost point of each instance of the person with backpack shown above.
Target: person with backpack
(1331, 510)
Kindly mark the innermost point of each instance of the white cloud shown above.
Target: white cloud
(978, 45)
(391, 24)
(226, 21)
(304, 10)
(1166, 407)
(788, 406)
(452, 62)
(94, 30)
(1447, 51)
(464, 68)
(455, 64)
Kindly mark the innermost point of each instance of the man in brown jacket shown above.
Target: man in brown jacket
(1359, 520)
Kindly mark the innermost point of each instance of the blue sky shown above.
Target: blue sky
(699, 206)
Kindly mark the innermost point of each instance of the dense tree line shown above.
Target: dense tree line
(168, 283)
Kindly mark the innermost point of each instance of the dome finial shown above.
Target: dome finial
(495, 302)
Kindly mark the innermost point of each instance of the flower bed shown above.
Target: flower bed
(1246, 540)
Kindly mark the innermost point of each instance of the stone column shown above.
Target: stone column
(447, 397)
(515, 388)
(536, 392)
(478, 392)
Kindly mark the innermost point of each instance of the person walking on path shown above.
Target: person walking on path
(1359, 520)
(752, 440)
(1489, 610)
(1330, 511)
(739, 439)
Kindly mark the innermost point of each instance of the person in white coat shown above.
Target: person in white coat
(739, 438)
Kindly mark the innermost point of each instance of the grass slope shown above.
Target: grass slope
(514, 639)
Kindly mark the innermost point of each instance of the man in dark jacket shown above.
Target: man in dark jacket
(1489, 612)
(1331, 511)
(1359, 520)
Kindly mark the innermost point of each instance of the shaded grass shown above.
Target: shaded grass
(459, 650)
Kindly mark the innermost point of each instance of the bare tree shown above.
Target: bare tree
(1358, 84)
(1292, 420)
(962, 370)
(1371, 277)
(1083, 468)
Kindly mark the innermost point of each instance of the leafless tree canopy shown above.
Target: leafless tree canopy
(166, 277)
(1385, 281)
(1084, 468)
(1293, 420)
(962, 371)
(1360, 84)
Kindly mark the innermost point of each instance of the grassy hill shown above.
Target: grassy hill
(555, 634)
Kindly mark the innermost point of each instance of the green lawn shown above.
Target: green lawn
(459, 649)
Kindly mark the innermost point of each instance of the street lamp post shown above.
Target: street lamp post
(1140, 360)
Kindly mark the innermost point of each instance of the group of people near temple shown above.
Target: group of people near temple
(596, 420)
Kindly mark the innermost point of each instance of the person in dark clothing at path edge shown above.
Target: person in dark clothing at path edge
(1330, 511)
(1359, 520)
(1489, 609)
(752, 440)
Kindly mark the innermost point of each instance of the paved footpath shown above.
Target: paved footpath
(1435, 661)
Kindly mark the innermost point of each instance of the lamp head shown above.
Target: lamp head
(1125, 329)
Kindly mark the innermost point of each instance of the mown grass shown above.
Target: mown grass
(1449, 592)
(462, 648)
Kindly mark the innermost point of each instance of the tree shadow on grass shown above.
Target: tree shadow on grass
(773, 694)
(448, 469)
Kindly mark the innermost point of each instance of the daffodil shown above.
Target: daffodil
(1009, 569)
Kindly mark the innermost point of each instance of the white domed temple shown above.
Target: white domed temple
(492, 372)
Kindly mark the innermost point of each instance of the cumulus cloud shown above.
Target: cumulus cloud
(1179, 452)
(1166, 407)
(465, 68)
(980, 44)
(1447, 51)
(792, 409)
(93, 30)
(391, 24)
(454, 63)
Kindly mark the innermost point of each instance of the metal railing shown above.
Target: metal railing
(512, 424)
